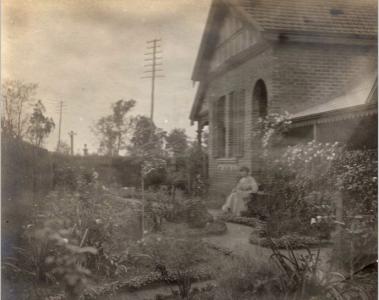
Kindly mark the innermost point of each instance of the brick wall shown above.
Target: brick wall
(297, 76)
(223, 172)
(308, 74)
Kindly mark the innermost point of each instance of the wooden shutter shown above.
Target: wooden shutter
(240, 123)
(232, 125)
(214, 132)
(221, 126)
(219, 130)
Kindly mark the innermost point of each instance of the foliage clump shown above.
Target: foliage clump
(178, 260)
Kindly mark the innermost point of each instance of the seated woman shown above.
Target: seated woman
(236, 202)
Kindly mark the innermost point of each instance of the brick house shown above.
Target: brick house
(263, 56)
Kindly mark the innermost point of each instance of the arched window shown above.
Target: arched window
(260, 99)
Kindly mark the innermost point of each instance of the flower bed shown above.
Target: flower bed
(259, 235)
(293, 241)
(139, 282)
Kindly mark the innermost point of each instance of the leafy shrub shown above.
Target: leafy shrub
(307, 183)
(68, 259)
(288, 275)
(246, 278)
(158, 206)
(304, 183)
(294, 241)
(356, 246)
(177, 260)
(299, 186)
(52, 254)
(216, 227)
(197, 214)
(355, 174)
(302, 278)
(161, 205)
(69, 224)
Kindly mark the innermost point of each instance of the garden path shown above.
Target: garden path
(237, 240)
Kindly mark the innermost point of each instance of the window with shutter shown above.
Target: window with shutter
(219, 128)
(240, 124)
(236, 123)
(214, 110)
(232, 124)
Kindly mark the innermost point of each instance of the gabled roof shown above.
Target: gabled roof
(345, 18)
(364, 94)
(351, 17)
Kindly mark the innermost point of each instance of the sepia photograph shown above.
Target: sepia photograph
(189, 149)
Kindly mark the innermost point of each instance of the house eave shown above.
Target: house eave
(320, 37)
(357, 111)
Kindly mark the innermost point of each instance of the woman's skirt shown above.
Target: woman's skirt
(235, 204)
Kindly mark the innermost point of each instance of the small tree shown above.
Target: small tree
(146, 138)
(16, 97)
(177, 145)
(112, 130)
(40, 126)
(196, 161)
(177, 142)
(105, 132)
(147, 149)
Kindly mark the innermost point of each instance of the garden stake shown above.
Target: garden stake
(83, 238)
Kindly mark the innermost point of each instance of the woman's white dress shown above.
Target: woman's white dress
(236, 202)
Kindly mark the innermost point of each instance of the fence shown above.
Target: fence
(26, 175)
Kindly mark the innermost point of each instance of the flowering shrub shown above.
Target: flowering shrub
(305, 181)
(272, 127)
(356, 177)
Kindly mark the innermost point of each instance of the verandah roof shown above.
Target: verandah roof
(359, 102)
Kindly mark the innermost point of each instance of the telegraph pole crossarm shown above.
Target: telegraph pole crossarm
(152, 71)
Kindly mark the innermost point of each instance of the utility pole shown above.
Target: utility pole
(60, 109)
(71, 134)
(153, 67)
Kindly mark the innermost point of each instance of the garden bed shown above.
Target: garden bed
(247, 221)
(150, 280)
(293, 241)
(217, 227)
(258, 236)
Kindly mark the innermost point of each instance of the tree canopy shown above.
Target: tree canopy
(112, 130)
(17, 98)
(177, 142)
(40, 126)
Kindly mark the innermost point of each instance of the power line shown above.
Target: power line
(153, 67)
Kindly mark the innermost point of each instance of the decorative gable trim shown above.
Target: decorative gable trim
(218, 10)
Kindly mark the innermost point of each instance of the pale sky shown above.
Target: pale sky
(90, 53)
